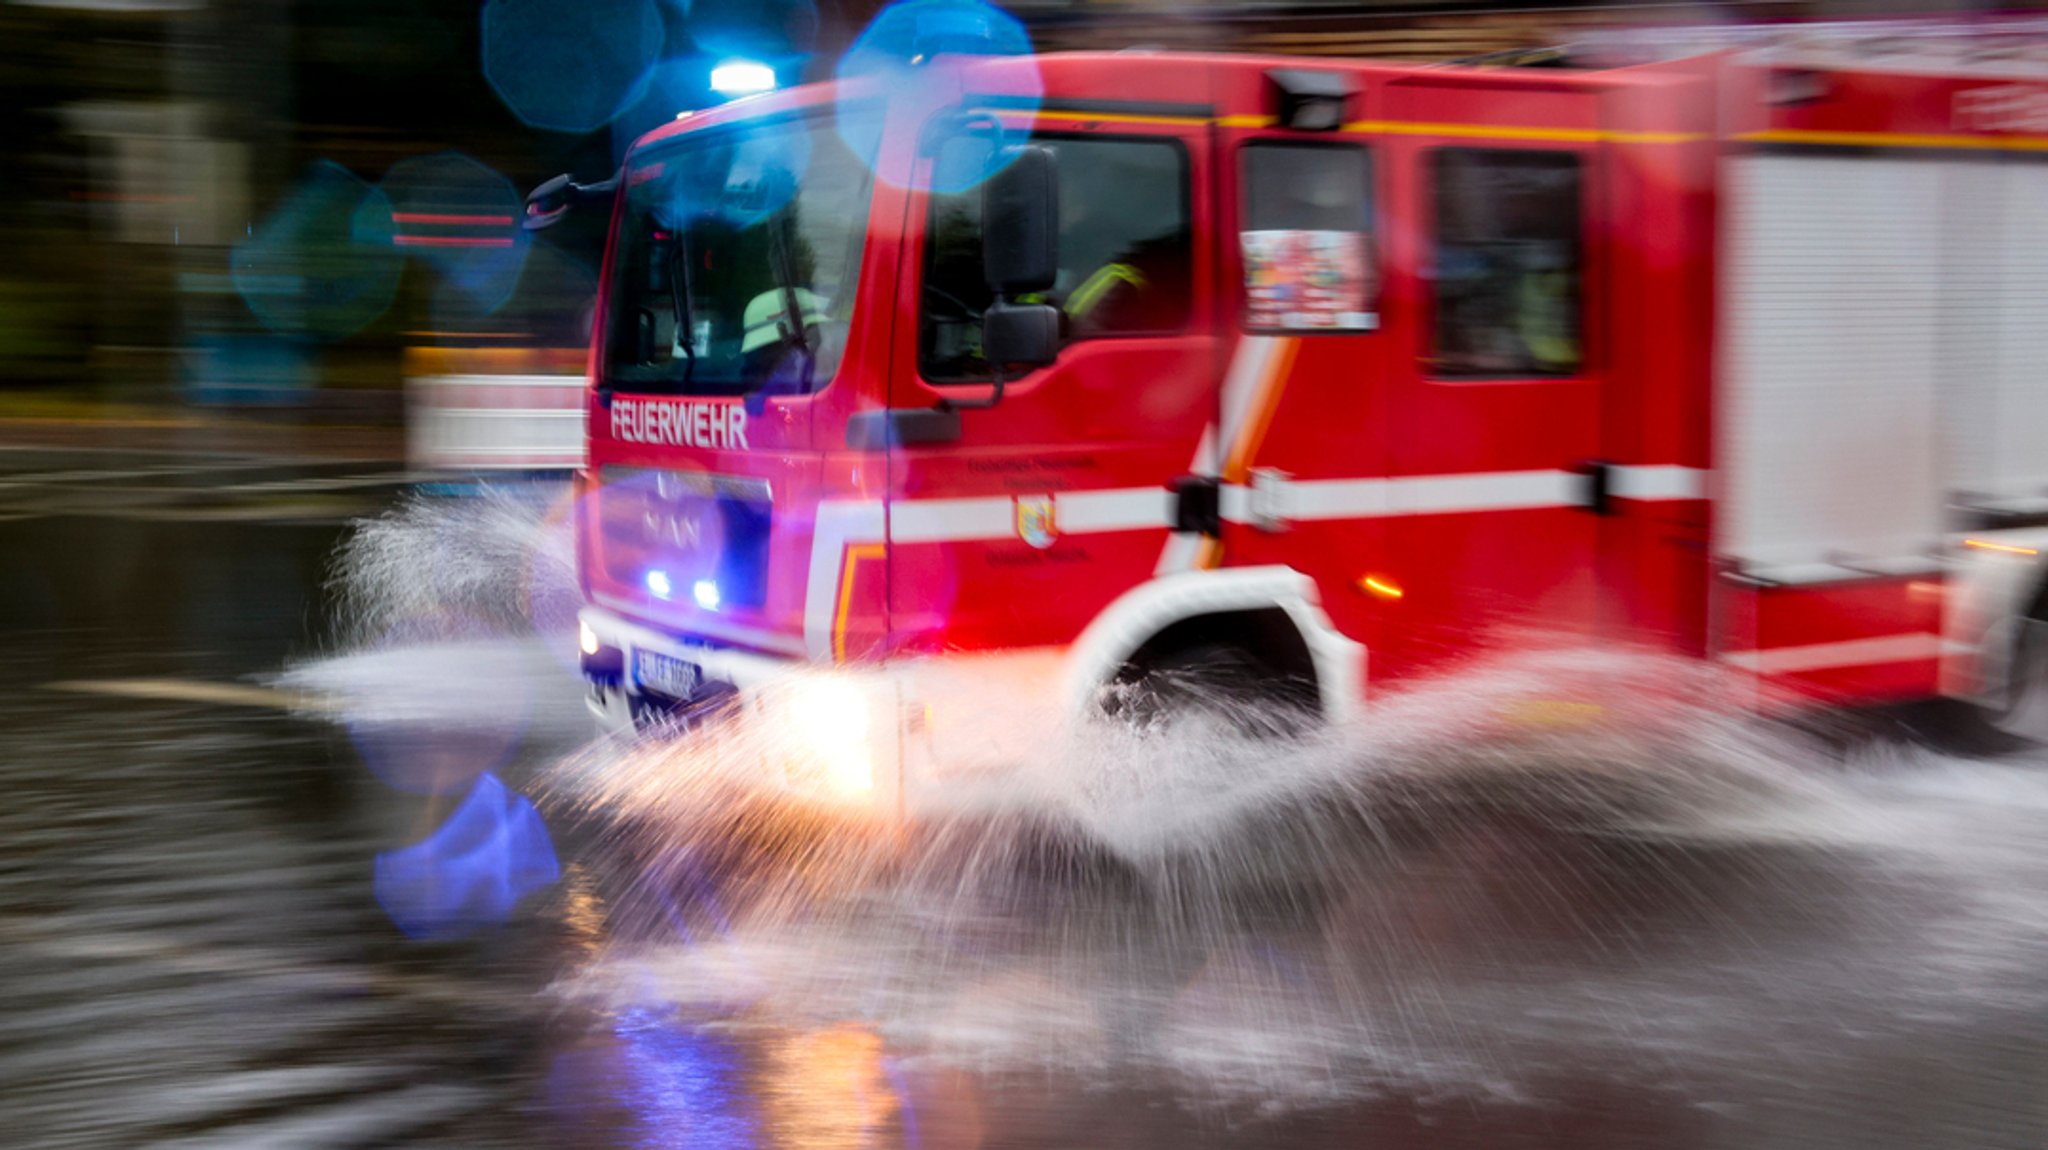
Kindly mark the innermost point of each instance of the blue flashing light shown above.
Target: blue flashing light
(658, 582)
(705, 592)
(742, 78)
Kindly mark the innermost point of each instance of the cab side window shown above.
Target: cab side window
(1508, 272)
(1307, 238)
(1125, 244)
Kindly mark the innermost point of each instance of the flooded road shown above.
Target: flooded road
(284, 864)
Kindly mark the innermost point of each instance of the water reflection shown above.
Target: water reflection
(681, 1086)
(828, 1090)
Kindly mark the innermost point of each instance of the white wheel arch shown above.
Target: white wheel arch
(1149, 608)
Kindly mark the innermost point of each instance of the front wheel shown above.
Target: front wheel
(1217, 685)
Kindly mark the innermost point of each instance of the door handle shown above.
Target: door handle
(1598, 475)
(1197, 504)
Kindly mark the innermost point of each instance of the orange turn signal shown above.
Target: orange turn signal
(1374, 585)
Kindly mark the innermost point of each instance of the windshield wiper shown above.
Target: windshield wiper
(679, 296)
(793, 329)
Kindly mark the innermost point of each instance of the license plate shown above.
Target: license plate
(665, 674)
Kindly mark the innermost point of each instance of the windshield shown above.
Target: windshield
(737, 262)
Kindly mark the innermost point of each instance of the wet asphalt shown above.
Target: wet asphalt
(193, 952)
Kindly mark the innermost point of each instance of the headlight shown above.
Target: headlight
(831, 720)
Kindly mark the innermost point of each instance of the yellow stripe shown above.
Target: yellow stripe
(854, 555)
(1102, 117)
(1895, 140)
(1504, 132)
(1392, 128)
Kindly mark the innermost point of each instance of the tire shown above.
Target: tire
(1217, 685)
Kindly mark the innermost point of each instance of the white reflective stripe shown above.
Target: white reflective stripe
(1500, 491)
(1183, 548)
(1659, 481)
(1248, 362)
(1241, 388)
(952, 520)
(983, 518)
(1234, 503)
(839, 523)
(1207, 461)
(995, 517)
(1309, 499)
(1338, 499)
(1118, 509)
(1846, 653)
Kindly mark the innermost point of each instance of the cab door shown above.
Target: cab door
(1412, 407)
(1017, 528)
(1300, 441)
(1493, 375)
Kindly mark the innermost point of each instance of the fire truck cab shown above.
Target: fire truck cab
(1348, 372)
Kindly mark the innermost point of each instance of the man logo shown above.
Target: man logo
(1036, 522)
(670, 528)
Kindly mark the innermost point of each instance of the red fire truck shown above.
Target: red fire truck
(1094, 367)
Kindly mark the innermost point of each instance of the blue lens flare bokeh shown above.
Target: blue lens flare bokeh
(735, 181)
(461, 218)
(322, 265)
(493, 851)
(765, 30)
(570, 65)
(914, 52)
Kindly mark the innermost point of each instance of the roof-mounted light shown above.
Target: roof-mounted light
(1310, 101)
(742, 78)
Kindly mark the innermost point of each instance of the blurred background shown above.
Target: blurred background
(279, 211)
(246, 246)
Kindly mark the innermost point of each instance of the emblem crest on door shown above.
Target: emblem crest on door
(1037, 523)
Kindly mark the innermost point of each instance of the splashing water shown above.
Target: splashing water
(456, 636)
(1583, 863)
(503, 559)
(1475, 884)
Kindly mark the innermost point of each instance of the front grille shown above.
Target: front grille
(664, 533)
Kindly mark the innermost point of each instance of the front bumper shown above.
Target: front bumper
(831, 734)
(611, 650)
(874, 732)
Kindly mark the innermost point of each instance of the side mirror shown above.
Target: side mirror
(1020, 225)
(1020, 333)
(548, 203)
